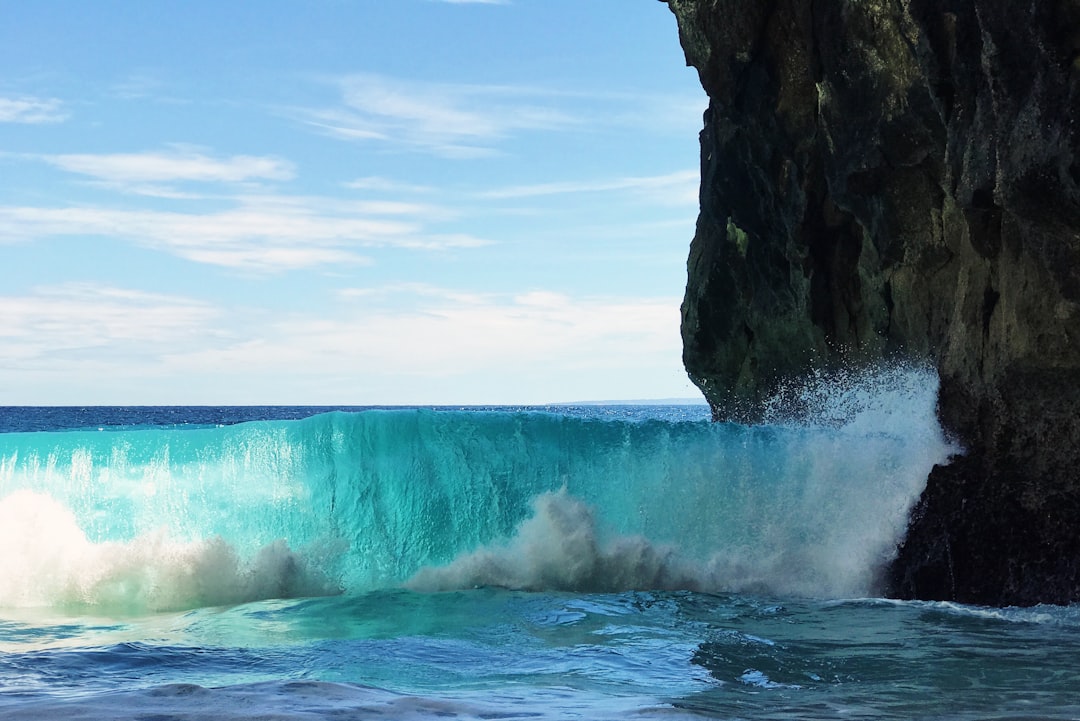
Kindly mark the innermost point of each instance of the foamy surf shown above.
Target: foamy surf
(50, 563)
(558, 549)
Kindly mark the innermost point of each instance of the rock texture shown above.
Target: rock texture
(902, 178)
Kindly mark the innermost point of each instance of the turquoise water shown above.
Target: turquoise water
(592, 562)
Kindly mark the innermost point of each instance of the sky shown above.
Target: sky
(343, 202)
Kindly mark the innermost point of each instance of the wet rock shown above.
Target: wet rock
(901, 178)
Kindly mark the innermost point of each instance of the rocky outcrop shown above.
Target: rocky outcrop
(902, 178)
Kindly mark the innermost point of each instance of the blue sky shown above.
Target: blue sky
(343, 202)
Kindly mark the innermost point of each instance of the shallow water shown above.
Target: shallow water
(493, 653)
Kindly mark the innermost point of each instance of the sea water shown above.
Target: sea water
(586, 562)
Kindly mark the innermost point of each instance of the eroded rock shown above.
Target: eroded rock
(902, 178)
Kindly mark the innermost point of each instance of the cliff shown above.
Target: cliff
(901, 178)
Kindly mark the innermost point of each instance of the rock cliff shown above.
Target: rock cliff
(901, 178)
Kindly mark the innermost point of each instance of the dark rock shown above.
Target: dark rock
(902, 178)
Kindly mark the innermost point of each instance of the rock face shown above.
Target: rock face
(889, 178)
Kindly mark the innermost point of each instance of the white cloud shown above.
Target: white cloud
(405, 343)
(468, 121)
(450, 120)
(259, 234)
(31, 110)
(239, 227)
(176, 165)
(386, 185)
(432, 331)
(61, 326)
(672, 188)
(414, 343)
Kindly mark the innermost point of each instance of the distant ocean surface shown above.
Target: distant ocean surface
(563, 562)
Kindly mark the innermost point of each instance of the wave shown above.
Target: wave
(558, 548)
(176, 517)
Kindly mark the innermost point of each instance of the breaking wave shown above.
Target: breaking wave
(166, 518)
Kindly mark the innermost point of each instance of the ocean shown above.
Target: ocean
(563, 562)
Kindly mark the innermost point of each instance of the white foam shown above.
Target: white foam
(862, 400)
(753, 677)
(48, 561)
(558, 548)
(813, 505)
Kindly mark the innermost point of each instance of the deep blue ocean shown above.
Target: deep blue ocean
(587, 562)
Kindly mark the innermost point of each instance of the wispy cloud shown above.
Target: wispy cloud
(439, 331)
(680, 186)
(430, 340)
(258, 235)
(232, 221)
(457, 120)
(183, 165)
(405, 343)
(68, 324)
(30, 110)
(386, 185)
(450, 120)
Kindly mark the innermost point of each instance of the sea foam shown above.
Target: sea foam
(49, 562)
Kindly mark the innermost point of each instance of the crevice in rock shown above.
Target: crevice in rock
(984, 223)
(834, 243)
(890, 306)
(989, 304)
